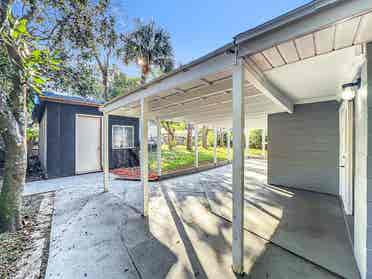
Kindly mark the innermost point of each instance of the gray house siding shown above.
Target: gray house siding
(61, 136)
(303, 150)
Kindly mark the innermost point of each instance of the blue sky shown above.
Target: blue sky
(199, 26)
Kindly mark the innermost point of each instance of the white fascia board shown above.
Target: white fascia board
(213, 65)
(291, 16)
(317, 99)
(300, 24)
(258, 79)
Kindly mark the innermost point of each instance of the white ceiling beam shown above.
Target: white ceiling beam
(208, 94)
(206, 82)
(216, 64)
(248, 118)
(253, 122)
(126, 113)
(216, 107)
(211, 117)
(218, 87)
(176, 92)
(214, 116)
(203, 102)
(258, 79)
(179, 90)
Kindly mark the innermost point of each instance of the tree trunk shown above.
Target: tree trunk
(205, 137)
(189, 137)
(143, 79)
(171, 139)
(167, 125)
(105, 84)
(13, 184)
(13, 131)
(144, 72)
(220, 137)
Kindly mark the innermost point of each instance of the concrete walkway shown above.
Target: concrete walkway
(102, 235)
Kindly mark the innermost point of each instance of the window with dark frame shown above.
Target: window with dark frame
(122, 137)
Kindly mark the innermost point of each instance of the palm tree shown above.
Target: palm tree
(148, 46)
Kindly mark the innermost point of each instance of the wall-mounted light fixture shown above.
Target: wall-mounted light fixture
(349, 90)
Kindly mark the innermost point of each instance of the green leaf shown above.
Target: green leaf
(38, 80)
(21, 26)
(36, 89)
(36, 53)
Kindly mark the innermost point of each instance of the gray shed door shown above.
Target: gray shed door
(88, 143)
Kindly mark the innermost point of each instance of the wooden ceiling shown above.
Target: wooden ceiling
(341, 35)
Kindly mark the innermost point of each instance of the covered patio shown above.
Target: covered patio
(264, 79)
(189, 232)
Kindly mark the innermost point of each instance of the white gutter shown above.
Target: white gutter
(311, 8)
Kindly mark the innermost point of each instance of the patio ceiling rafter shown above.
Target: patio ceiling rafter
(224, 118)
(212, 108)
(219, 86)
(258, 79)
(217, 62)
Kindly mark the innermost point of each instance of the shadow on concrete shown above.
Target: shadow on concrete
(192, 256)
(151, 258)
(308, 224)
(210, 238)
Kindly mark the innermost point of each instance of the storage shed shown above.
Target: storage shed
(70, 138)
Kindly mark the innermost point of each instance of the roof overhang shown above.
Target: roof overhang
(199, 92)
(69, 102)
(312, 17)
(297, 14)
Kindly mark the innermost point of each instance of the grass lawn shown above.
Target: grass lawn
(180, 157)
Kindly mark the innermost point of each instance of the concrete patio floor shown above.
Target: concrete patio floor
(289, 233)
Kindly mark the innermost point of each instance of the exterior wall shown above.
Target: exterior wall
(61, 136)
(42, 141)
(123, 157)
(303, 149)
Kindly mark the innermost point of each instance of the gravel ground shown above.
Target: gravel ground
(23, 254)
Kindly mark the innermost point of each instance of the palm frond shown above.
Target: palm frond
(150, 44)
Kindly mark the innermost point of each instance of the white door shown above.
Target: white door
(346, 117)
(88, 144)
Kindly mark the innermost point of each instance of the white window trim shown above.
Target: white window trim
(112, 136)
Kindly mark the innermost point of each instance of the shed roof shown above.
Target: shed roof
(70, 99)
(63, 98)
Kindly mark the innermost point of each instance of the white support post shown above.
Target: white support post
(263, 143)
(247, 141)
(158, 146)
(144, 155)
(105, 137)
(228, 146)
(215, 146)
(238, 167)
(196, 147)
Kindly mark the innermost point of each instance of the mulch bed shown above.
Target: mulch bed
(133, 174)
(24, 254)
